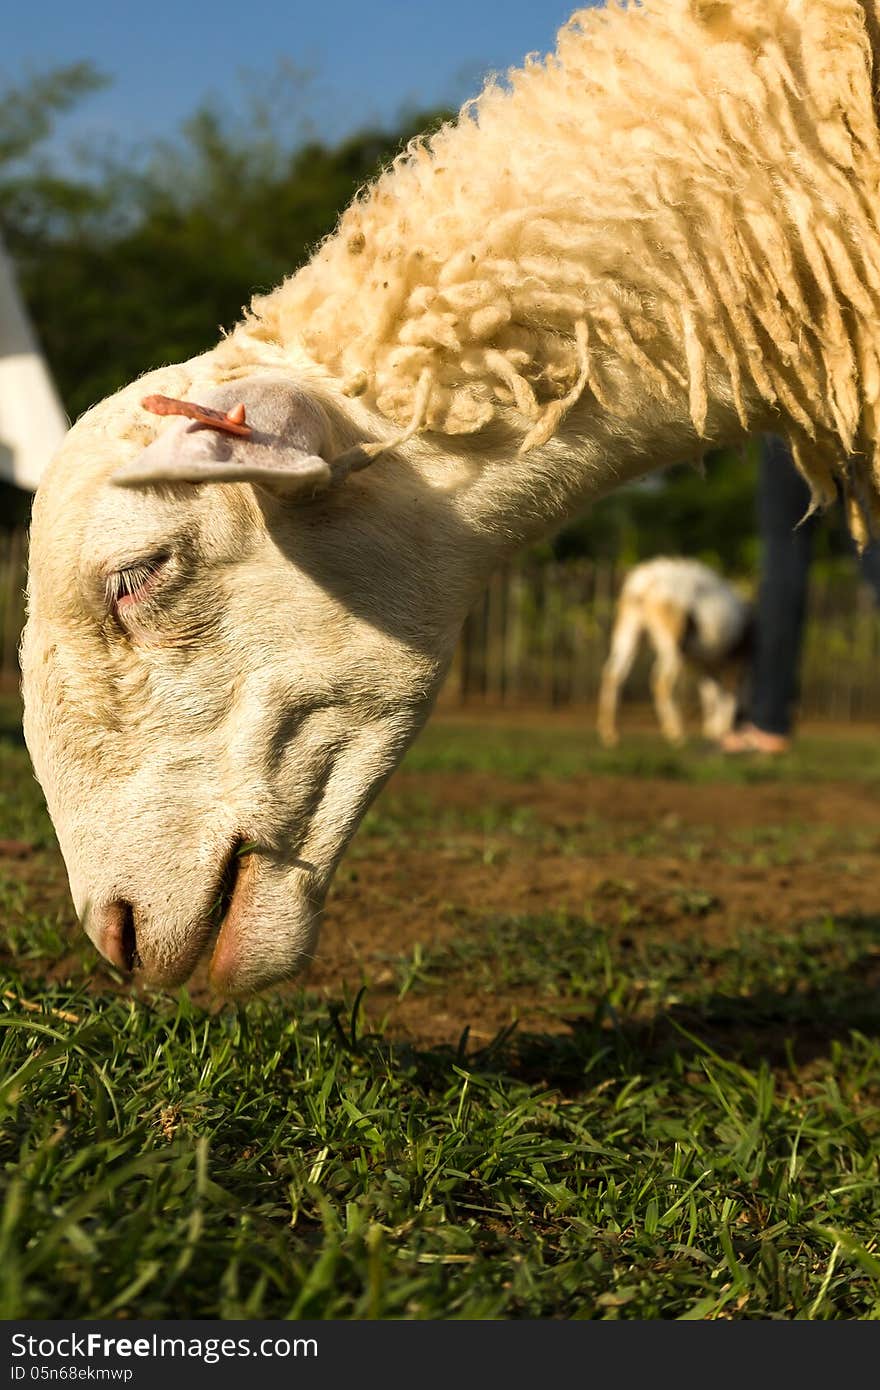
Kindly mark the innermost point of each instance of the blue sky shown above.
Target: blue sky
(367, 60)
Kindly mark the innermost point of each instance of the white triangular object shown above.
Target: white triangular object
(32, 419)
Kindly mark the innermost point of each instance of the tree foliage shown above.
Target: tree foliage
(144, 263)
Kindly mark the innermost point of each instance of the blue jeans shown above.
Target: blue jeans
(783, 498)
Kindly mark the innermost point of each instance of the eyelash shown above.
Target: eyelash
(134, 583)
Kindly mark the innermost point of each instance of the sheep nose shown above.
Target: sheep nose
(114, 934)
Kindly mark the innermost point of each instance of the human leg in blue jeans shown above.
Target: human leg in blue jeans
(786, 551)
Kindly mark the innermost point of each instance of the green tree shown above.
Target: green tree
(146, 265)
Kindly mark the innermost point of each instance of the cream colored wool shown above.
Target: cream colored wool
(683, 198)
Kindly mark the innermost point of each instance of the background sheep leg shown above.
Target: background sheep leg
(718, 706)
(622, 654)
(664, 678)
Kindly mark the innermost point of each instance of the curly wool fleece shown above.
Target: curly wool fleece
(682, 200)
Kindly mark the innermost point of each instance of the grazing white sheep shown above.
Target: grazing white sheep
(691, 616)
(661, 237)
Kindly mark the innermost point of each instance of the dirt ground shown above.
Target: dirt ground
(664, 858)
(727, 879)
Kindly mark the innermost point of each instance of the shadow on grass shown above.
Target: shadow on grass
(787, 1028)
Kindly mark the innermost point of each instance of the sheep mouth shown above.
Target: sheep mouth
(233, 908)
(226, 886)
(224, 905)
(232, 886)
(131, 956)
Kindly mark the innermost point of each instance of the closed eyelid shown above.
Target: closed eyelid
(134, 582)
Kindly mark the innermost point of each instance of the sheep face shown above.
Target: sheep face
(217, 680)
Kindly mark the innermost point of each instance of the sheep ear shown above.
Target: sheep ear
(259, 430)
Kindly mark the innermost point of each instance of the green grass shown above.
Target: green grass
(526, 752)
(695, 1133)
(269, 1163)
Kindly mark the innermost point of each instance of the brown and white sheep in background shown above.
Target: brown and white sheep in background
(657, 240)
(693, 619)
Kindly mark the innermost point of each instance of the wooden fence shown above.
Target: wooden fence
(539, 635)
(13, 562)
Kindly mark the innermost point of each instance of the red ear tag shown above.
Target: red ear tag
(231, 423)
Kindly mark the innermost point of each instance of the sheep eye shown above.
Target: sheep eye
(134, 583)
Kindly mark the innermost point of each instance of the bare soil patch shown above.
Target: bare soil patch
(644, 858)
(383, 905)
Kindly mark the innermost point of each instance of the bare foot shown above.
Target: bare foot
(751, 739)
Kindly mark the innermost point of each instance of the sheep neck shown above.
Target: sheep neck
(504, 499)
(680, 193)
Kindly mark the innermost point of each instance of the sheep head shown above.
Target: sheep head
(225, 656)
